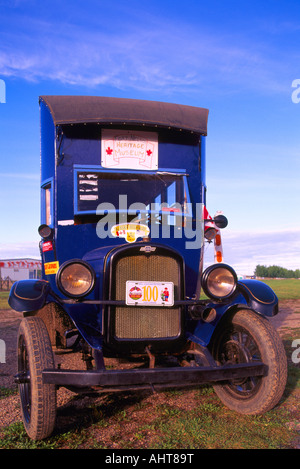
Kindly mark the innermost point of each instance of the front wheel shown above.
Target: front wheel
(38, 400)
(248, 337)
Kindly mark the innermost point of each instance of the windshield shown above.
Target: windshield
(160, 191)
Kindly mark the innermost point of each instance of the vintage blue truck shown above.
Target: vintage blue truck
(123, 228)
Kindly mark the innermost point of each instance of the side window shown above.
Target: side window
(47, 203)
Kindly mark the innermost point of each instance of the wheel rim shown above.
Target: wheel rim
(24, 388)
(237, 346)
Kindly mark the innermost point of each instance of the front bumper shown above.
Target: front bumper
(158, 378)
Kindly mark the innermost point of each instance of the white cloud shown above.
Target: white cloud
(19, 250)
(245, 250)
(145, 52)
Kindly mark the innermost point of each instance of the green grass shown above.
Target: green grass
(285, 289)
(3, 300)
(177, 419)
(6, 392)
(163, 423)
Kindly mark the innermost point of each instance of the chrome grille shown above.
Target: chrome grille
(146, 322)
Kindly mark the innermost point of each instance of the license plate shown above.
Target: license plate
(149, 293)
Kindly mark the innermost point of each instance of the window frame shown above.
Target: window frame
(100, 170)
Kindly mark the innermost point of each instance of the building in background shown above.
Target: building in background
(20, 269)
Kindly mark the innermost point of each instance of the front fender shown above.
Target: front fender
(252, 294)
(28, 295)
(259, 297)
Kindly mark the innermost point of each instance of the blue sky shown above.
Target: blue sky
(237, 58)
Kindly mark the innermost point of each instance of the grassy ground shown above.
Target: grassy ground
(128, 423)
(287, 289)
(185, 419)
(3, 300)
(188, 419)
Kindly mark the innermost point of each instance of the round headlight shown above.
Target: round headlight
(75, 278)
(45, 231)
(219, 281)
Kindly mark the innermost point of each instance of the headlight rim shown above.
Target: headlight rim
(206, 274)
(61, 287)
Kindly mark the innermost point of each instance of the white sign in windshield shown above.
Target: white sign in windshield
(129, 150)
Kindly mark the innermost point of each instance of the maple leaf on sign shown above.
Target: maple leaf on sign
(109, 151)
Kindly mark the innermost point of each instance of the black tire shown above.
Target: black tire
(38, 400)
(246, 337)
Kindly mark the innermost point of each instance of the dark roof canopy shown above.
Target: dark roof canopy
(96, 109)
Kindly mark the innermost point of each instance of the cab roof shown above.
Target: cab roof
(105, 110)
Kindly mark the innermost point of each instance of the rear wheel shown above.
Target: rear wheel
(248, 337)
(38, 400)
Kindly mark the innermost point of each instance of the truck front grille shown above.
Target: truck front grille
(146, 322)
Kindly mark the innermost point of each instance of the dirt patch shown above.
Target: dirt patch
(288, 318)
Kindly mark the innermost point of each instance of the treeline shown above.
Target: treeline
(274, 271)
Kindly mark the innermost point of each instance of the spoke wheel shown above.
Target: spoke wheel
(38, 400)
(247, 337)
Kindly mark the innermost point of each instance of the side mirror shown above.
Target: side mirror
(221, 221)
